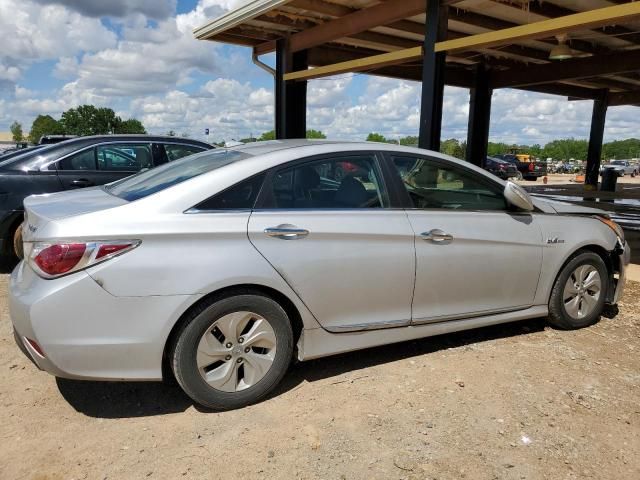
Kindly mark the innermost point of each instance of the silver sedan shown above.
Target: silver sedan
(227, 264)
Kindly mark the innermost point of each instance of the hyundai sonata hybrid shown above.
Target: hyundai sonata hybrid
(225, 265)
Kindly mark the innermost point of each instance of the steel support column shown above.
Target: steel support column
(479, 116)
(433, 66)
(290, 97)
(596, 134)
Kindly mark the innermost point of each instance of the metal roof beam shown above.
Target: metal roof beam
(598, 17)
(356, 22)
(569, 70)
(358, 65)
(624, 98)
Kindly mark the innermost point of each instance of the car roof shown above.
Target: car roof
(270, 146)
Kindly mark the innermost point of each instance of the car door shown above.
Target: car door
(474, 256)
(324, 225)
(103, 163)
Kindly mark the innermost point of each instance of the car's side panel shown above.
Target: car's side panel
(492, 263)
(354, 270)
(563, 235)
(320, 343)
(183, 254)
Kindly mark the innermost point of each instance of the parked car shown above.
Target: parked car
(219, 266)
(14, 152)
(621, 167)
(51, 139)
(527, 170)
(500, 168)
(77, 163)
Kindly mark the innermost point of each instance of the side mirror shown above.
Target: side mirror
(518, 197)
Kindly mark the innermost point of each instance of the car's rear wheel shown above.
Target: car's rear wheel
(579, 293)
(232, 352)
(18, 248)
(519, 176)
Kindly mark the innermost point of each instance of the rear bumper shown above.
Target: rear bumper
(87, 333)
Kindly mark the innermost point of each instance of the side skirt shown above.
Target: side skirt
(318, 342)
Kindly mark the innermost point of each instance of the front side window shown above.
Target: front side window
(433, 184)
(84, 160)
(351, 181)
(177, 151)
(124, 157)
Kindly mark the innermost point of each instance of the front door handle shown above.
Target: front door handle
(286, 232)
(81, 183)
(436, 235)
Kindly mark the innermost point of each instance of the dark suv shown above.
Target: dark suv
(77, 163)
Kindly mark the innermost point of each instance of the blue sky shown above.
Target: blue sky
(139, 57)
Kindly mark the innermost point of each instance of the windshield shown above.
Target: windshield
(617, 162)
(169, 174)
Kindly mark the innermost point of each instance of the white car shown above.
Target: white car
(225, 265)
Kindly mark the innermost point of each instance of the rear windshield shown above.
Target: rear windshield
(170, 174)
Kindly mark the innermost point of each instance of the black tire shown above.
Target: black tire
(531, 179)
(558, 316)
(519, 176)
(18, 248)
(183, 353)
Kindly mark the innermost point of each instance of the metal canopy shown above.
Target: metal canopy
(513, 39)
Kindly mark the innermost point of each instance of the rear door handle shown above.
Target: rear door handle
(436, 235)
(286, 232)
(82, 182)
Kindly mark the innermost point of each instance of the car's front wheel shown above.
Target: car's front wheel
(232, 352)
(579, 293)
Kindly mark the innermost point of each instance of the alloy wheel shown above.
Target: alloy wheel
(236, 351)
(582, 291)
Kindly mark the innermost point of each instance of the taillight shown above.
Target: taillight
(51, 260)
(60, 258)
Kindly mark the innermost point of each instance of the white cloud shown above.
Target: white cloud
(157, 9)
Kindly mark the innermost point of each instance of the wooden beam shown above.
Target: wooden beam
(624, 98)
(591, 19)
(569, 70)
(564, 90)
(356, 22)
(358, 65)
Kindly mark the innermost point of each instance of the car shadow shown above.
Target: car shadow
(7, 264)
(145, 399)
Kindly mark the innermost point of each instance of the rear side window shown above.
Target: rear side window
(241, 196)
(172, 173)
(84, 160)
(352, 181)
(124, 157)
(176, 151)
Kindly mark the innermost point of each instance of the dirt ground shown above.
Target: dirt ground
(521, 401)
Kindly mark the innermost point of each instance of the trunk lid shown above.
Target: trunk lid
(42, 209)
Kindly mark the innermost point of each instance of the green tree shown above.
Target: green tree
(376, 137)
(565, 149)
(317, 134)
(270, 135)
(171, 133)
(410, 140)
(44, 125)
(16, 131)
(621, 149)
(454, 148)
(130, 126)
